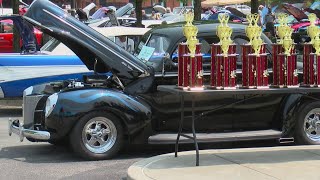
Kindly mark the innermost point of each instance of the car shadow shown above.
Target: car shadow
(47, 153)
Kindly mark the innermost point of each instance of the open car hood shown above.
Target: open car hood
(295, 12)
(95, 50)
(236, 12)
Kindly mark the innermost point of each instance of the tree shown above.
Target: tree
(197, 9)
(139, 12)
(16, 34)
(184, 2)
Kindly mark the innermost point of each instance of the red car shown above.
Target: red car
(6, 36)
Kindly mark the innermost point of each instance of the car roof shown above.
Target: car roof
(175, 29)
(121, 31)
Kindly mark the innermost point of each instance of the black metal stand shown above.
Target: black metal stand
(194, 136)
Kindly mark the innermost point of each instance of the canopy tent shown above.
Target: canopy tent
(210, 3)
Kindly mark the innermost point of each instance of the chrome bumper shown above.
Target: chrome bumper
(28, 133)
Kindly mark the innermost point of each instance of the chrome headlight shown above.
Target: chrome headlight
(51, 103)
(28, 91)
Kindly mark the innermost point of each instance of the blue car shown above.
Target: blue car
(21, 70)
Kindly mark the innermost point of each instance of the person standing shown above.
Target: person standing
(144, 16)
(153, 15)
(125, 43)
(269, 22)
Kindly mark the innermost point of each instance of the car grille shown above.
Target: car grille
(31, 110)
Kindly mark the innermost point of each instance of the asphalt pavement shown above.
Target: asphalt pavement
(29, 160)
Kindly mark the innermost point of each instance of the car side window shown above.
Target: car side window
(6, 27)
(205, 41)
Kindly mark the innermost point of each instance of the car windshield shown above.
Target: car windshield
(50, 45)
(159, 43)
(177, 10)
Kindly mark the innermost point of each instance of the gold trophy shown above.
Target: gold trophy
(223, 26)
(256, 45)
(316, 46)
(312, 30)
(226, 41)
(308, 60)
(283, 26)
(192, 44)
(189, 30)
(223, 64)
(254, 58)
(289, 62)
(193, 75)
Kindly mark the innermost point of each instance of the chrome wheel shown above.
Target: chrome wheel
(99, 135)
(312, 125)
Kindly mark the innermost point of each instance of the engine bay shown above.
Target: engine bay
(87, 81)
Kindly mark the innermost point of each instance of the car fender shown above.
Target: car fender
(72, 105)
(289, 110)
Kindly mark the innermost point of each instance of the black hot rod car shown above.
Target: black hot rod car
(99, 113)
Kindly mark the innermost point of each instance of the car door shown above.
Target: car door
(253, 111)
(168, 105)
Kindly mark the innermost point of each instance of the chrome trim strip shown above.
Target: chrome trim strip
(119, 55)
(28, 133)
(1, 93)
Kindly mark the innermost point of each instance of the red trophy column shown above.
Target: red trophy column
(246, 50)
(214, 69)
(182, 50)
(186, 69)
(277, 64)
(317, 82)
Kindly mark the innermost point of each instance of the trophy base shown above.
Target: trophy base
(219, 88)
(252, 87)
(274, 86)
(230, 88)
(283, 86)
(263, 87)
(293, 86)
(305, 85)
(199, 88)
(182, 87)
(212, 87)
(243, 87)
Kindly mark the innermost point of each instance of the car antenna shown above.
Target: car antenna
(94, 66)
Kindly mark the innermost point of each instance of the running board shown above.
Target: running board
(170, 138)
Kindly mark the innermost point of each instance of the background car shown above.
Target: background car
(6, 36)
(53, 62)
(165, 40)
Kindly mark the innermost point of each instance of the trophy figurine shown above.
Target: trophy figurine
(254, 59)
(284, 57)
(278, 49)
(223, 57)
(185, 61)
(316, 46)
(308, 60)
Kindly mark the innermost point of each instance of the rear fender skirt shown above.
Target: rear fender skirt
(289, 110)
(284, 118)
(72, 105)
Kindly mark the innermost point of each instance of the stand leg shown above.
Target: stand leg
(180, 126)
(194, 133)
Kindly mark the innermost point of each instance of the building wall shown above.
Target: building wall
(119, 3)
